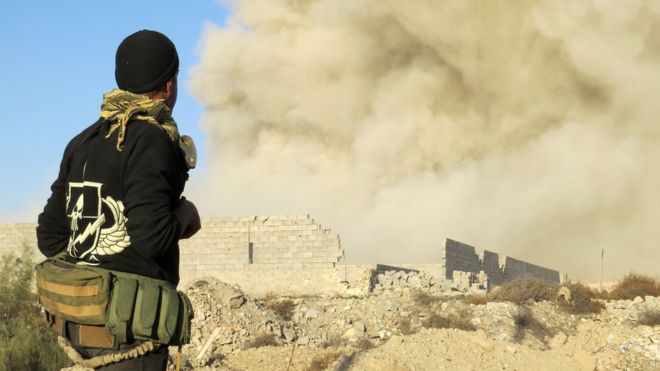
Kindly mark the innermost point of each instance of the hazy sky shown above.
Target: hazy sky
(57, 60)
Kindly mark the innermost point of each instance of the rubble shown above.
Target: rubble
(227, 322)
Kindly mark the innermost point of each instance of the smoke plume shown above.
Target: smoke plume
(525, 127)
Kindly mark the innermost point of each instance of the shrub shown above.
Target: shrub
(424, 298)
(283, 308)
(478, 299)
(633, 285)
(460, 322)
(531, 289)
(525, 289)
(26, 341)
(405, 326)
(323, 361)
(649, 317)
(581, 301)
(262, 340)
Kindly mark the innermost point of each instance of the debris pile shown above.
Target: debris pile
(231, 329)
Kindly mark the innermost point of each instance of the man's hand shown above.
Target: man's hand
(188, 216)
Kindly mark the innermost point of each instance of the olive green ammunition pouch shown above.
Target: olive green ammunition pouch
(130, 306)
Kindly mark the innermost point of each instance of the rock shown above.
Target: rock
(347, 308)
(359, 326)
(351, 334)
(225, 339)
(200, 283)
(312, 313)
(638, 300)
(564, 293)
(289, 334)
(382, 334)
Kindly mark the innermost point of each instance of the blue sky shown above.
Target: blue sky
(56, 62)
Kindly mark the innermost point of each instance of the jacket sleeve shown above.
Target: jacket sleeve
(52, 228)
(150, 192)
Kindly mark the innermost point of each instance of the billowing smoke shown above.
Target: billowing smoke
(525, 127)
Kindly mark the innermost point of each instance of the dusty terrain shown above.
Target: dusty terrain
(416, 326)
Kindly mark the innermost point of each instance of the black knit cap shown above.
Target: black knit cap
(145, 60)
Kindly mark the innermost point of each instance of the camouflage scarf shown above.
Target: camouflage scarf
(120, 107)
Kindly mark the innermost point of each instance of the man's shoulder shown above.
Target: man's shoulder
(144, 127)
(80, 137)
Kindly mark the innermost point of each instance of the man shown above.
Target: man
(116, 204)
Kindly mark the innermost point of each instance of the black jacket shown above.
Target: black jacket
(96, 181)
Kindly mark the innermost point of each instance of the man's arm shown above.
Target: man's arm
(52, 229)
(149, 183)
(188, 216)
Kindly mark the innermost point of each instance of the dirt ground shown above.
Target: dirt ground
(413, 328)
(404, 329)
(451, 349)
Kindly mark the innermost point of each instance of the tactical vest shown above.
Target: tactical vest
(130, 306)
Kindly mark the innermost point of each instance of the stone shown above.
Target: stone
(359, 326)
(638, 300)
(289, 334)
(564, 293)
(312, 313)
(351, 334)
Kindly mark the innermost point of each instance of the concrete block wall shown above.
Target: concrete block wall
(458, 256)
(294, 241)
(14, 236)
(463, 257)
(493, 266)
(288, 241)
(514, 268)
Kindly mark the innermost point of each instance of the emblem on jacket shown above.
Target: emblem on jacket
(98, 224)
